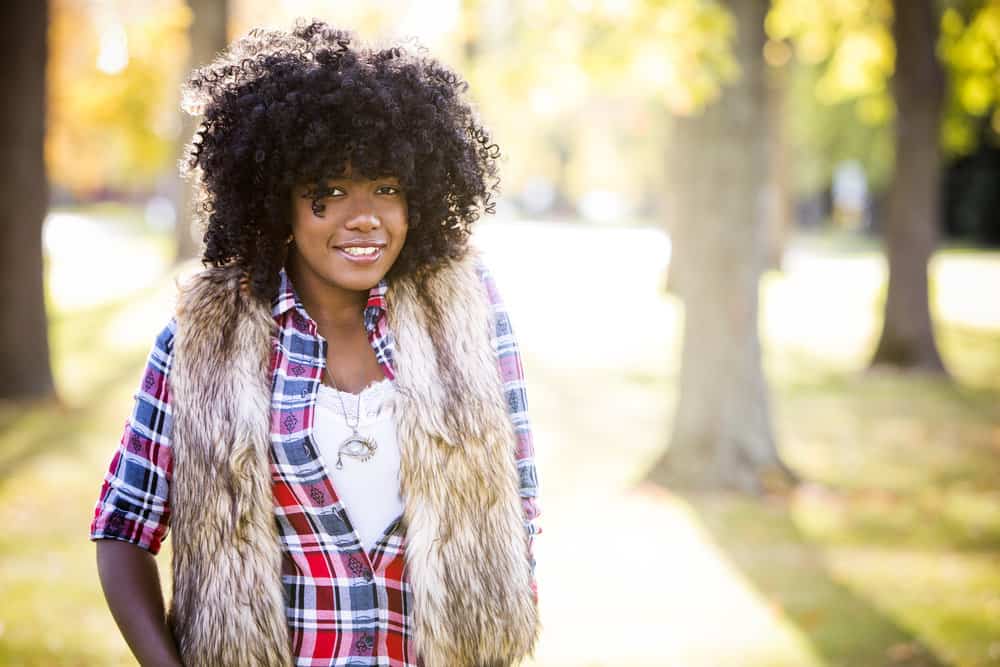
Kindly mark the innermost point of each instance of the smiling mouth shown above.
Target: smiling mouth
(361, 254)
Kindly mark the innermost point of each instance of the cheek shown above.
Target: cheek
(300, 213)
(303, 219)
(401, 223)
(404, 218)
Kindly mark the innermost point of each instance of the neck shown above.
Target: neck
(331, 307)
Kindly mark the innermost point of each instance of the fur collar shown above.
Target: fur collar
(466, 548)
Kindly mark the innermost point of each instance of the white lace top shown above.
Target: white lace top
(368, 490)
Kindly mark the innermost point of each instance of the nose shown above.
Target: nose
(362, 215)
(364, 221)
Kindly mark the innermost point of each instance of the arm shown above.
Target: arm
(131, 584)
(131, 517)
(512, 374)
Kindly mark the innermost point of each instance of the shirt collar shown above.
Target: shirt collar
(287, 298)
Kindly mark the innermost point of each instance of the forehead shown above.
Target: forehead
(360, 177)
(349, 174)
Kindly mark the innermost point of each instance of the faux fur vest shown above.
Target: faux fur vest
(466, 547)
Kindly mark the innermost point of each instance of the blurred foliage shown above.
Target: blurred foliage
(840, 103)
(114, 71)
(374, 17)
(578, 90)
(970, 46)
(677, 52)
(825, 135)
(569, 91)
(851, 38)
(573, 91)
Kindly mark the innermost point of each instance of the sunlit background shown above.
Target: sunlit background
(752, 450)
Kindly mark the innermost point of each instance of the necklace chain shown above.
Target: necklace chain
(357, 420)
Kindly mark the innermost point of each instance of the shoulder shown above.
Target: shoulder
(215, 309)
(464, 285)
(477, 263)
(160, 362)
(499, 316)
(207, 287)
(154, 390)
(480, 266)
(165, 338)
(162, 351)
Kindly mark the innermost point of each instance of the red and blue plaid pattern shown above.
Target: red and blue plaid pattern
(344, 606)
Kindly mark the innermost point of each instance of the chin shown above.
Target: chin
(358, 280)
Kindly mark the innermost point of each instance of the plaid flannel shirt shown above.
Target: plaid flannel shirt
(344, 606)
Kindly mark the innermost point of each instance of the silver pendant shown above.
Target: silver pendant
(361, 447)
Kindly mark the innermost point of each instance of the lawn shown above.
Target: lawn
(890, 555)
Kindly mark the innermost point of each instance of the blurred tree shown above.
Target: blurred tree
(779, 220)
(208, 34)
(610, 59)
(25, 370)
(842, 106)
(914, 206)
(723, 437)
(542, 71)
(878, 59)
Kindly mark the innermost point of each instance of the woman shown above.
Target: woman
(333, 422)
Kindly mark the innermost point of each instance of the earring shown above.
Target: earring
(291, 237)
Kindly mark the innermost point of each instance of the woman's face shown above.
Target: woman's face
(350, 235)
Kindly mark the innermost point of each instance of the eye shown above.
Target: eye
(322, 193)
(389, 190)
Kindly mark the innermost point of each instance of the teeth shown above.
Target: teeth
(361, 251)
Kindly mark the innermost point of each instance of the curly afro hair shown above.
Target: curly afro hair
(282, 109)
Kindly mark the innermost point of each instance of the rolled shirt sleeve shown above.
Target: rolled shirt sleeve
(512, 374)
(133, 505)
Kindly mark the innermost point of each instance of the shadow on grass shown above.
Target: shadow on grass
(855, 428)
(29, 655)
(843, 628)
(53, 425)
(51, 428)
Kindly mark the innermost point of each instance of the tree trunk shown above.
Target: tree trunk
(722, 437)
(25, 371)
(208, 36)
(778, 221)
(914, 195)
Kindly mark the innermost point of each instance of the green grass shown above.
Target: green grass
(890, 555)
